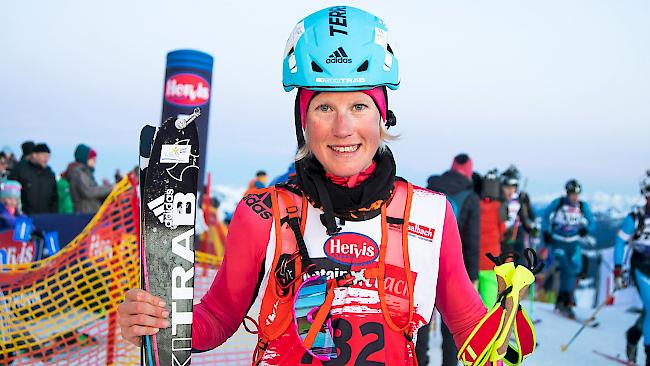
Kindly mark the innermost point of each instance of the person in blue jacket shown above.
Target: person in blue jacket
(566, 224)
(9, 204)
(635, 232)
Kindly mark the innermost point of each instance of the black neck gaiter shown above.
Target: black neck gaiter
(357, 203)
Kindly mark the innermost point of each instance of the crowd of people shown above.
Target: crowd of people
(29, 186)
(495, 216)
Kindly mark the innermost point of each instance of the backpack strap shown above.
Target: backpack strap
(457, 201)
(293, 218)
(399, 206)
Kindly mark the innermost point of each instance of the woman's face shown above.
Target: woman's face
(343, 131)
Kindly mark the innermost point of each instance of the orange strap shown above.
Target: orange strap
(381, 286)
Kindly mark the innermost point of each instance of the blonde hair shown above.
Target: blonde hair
(384, 137)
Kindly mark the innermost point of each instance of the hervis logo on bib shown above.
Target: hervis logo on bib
(351, 248)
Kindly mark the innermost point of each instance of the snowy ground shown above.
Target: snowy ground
(553, 331)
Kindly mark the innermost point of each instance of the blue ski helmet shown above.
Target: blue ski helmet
(340, 48)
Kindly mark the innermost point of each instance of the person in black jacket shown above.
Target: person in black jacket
(521, 217)
(457, 184)
(39, 193)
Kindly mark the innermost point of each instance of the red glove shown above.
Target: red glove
(619, 282)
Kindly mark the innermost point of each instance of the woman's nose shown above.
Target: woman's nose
(343, 125)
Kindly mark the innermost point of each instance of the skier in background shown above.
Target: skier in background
(493, 217)
(566, 223)
(635, 232)
(520, 218)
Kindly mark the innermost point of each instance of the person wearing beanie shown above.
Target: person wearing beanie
(9, 204)
(458, 185)
(87, 196)
(27, 147)
(39, 194)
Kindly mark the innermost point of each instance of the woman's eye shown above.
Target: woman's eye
(360, 107)
(323, 108)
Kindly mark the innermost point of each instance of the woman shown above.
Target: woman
(376, 252)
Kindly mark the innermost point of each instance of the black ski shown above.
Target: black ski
(147, 135)
(169, 211)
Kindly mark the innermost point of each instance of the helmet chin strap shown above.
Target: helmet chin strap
(300, 137)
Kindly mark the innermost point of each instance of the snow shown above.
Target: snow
(554, 331)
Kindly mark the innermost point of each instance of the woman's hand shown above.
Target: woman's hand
(141, 314)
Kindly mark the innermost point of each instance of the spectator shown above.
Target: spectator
(458, 185)
(87, 195)
(39, 193)
(9, 155)
(27, 148)
(4, 166)
(9, 204)
(63, 189)
(259, 181)
(118, 176)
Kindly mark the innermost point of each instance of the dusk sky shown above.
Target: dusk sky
(560, 88)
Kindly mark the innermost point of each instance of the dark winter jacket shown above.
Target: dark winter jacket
(469, 217)
(87, 195)
(39, 193)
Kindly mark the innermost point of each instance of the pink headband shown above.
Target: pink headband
(377, 95)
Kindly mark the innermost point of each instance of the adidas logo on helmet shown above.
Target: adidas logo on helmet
(338, 57)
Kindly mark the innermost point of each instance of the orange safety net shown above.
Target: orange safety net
(63, 310)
